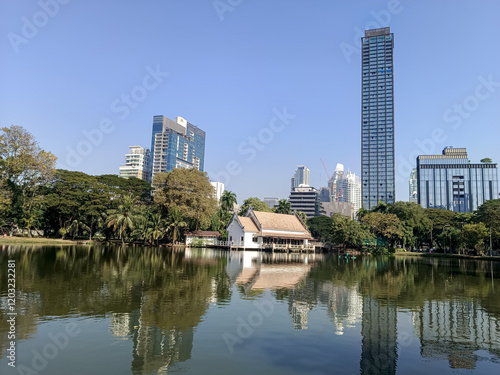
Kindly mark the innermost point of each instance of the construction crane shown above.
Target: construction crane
(326, 170)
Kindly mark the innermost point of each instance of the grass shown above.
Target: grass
(36, 240)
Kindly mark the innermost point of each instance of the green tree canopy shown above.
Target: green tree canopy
(256, 203)
(486, 161)
(283, 207)
(26, 168)
(190, 192)
(228, 200)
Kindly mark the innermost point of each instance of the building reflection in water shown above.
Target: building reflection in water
(345, 305)
(379, 331)
(454, 330)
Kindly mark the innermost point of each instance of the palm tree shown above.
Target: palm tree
(228, 200)
(283, 207)
(123, 218)
(176, 223)
(156, 227)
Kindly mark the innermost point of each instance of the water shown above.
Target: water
(103, 310)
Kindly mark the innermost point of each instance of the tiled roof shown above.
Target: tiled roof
(248, 224)
(272, 221)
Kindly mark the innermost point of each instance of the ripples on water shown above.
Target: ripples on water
(158, 310)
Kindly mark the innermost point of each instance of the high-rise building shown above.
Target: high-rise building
(137, 163)
(218, 190)
(301, 176)
(413, 186)
(349, 190)
(176, 144)
(449, 181)
(305, 199)
(377, 123)
(332, 182)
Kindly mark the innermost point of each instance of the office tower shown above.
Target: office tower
(377, 124)
(305, 199)
(449, 181)
(301, 176)
(413, 186)
(218, 190)
(176, 144)
(137, 163)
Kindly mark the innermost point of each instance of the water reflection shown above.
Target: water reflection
(155, 300)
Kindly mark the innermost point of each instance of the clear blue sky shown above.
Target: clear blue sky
(64, 70)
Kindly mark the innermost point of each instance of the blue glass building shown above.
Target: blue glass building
(449, 181)
(176, 144)
(377, 124)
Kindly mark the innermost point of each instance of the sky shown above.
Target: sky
(274, 83)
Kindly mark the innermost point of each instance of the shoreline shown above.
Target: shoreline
(444, 255)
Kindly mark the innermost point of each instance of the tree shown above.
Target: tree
(189, 192)
(75, 196)
(122, 219)
(255, 203)
(320, 227)
(228, 200)
(489, 214)
(486, 161)
(416, 225)
(26, 169)
(283, 207)
(474, 235)
(384, 225)
(156, 227)
(123, 186)
(176, 224)
(301, 215)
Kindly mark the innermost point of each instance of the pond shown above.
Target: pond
(134, 310)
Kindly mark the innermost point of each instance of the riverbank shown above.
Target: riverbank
(441, 255)
(38, 241)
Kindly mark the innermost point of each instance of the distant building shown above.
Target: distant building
(219, 189)
(137, 163)
(301, 176)
(305, 199)
(413, 186)
(271, 201)
(343, 208)
(377, 123)
(449, 181)
(324, 195)
(349, 190)
(332, 182)
(176, 144)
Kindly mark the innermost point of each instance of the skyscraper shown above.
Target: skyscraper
(377, 124)
(449, 181)
(137, 163)
(301, 176)
(176, 144)
(413, 186)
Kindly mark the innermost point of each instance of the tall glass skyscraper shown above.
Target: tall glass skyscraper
(176, 144)
(377, 124)
(449, 181)
(301, 176)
